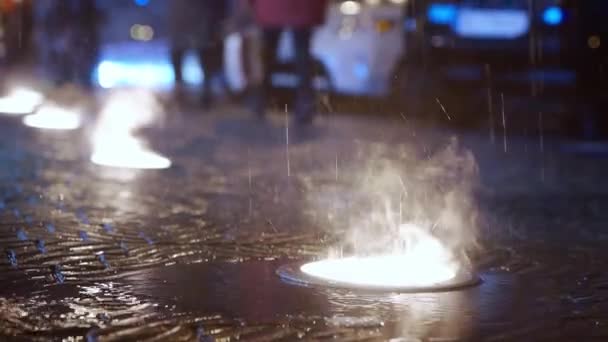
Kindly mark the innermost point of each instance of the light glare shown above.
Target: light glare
(350, 7)
(53, 117)
(114, 140)
(425, 261)
(20, 101)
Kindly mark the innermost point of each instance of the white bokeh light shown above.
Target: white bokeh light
(424, 262)
(54, 117)
(114, 142)
(20, 101)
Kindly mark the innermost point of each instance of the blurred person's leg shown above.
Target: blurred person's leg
(211, 58)
(270, 43)
(304, 105)
(177, 56)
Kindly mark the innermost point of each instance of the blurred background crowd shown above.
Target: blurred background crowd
(394, 50)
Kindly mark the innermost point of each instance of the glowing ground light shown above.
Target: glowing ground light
(54, 117)
(133, 157)
(391, 270)
(425, 265)
(20, 101)
(114, 140)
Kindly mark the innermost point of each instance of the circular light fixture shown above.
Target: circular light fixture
(553, 15)
(374, 274)
(53, 117)
(20, 101)
(131, 159)
(350, 7)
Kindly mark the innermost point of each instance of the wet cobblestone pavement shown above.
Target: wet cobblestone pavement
(190, 253)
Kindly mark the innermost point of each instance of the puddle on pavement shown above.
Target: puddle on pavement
(87, 255)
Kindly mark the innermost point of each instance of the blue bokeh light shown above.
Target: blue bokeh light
(442, 14)
(142, 3)
(553, 15)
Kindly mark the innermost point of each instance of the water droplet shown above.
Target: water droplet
(83, 235)
(21, 235)
(50, 228)
(57, 274)
(124, 247)
(82, 217)
(104, 317)
(102, 259)
(40, 245)
(147, 238)
(107, 227)
(11, 256)
(202, 336)
(92, 335)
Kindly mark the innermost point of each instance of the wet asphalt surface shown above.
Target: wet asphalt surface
(190, 253)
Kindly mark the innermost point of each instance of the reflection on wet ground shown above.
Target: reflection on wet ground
(190, 253)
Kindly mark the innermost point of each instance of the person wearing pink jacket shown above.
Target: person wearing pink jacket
(301, 17)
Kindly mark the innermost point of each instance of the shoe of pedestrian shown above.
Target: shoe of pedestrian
(179, 94)
(206, 102)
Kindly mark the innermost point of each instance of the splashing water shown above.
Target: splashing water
(114, 142)
(54, 117)
(20, 101)
(408, 222)
(425, 261)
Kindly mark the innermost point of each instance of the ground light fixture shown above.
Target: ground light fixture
(54, 117)
(131, 157)
(20, 101)
(423, 264)
(384, 273)
(114, 139)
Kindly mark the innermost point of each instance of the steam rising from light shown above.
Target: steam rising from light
(20, 101)
(114, 140)
(54, 117)
(409, 219)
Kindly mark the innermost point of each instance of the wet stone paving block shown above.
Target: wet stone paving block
(190, 253)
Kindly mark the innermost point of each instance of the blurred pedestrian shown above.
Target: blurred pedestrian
(300, 17)
(198, 25)
(14, 30)
(243, 49)
(69, 39)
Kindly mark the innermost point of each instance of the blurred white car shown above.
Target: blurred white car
(359, 47)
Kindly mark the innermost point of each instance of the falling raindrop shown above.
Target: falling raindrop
(287, 142)
(504, 122)
(443, 109)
